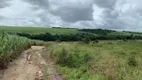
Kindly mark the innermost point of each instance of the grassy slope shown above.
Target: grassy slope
(36, 30)
(124, 33)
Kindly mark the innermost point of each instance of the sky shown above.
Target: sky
(104, 14)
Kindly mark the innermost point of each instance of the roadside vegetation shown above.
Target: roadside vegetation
(99, 60)
(11, 46)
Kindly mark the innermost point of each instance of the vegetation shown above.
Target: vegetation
(11, 46)
(111, 32)
(100, 60)
(85, 37)
(70, 34)
(98, 54)
(56, 30)
(38, 30)
(45, 72)
(98, 31)
(67, 34)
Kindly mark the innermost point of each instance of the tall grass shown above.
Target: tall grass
(11, 46)
(113, 60)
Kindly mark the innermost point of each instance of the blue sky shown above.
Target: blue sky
(105, 14)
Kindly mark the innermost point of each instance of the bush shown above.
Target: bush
(96, 41)
(62, 58)
(125, 40)
(132, 61)
(72, 60)
(86, 40)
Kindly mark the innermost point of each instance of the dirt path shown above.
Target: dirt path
(52, 71)
(29, 66)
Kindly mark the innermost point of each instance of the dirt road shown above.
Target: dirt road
(29, 66)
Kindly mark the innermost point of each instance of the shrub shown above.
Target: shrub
(96, 41)
(72, 60)
(62, 58)
(125, 40)
(86, 40)
(132, 61)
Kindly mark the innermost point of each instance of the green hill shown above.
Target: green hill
(38, 30)
(55, 30)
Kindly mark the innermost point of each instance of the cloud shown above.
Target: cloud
(3, 3)
(39, 3)
(106, 14)
(1, 17)
(110, 14)
(107, 4)
(71, 14)
(73, 11)
(112, 19)
(69, 11)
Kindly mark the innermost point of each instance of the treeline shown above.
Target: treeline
(64, 28)
(76, 37)
(133, 32)
(98, 31)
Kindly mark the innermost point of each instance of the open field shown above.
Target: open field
(37, 30)
(125, 33)
(105, 60)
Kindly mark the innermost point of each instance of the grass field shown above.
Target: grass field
(124, 33)
(105, 60)
(37, 30)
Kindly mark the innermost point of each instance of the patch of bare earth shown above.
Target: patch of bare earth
(29, 67)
